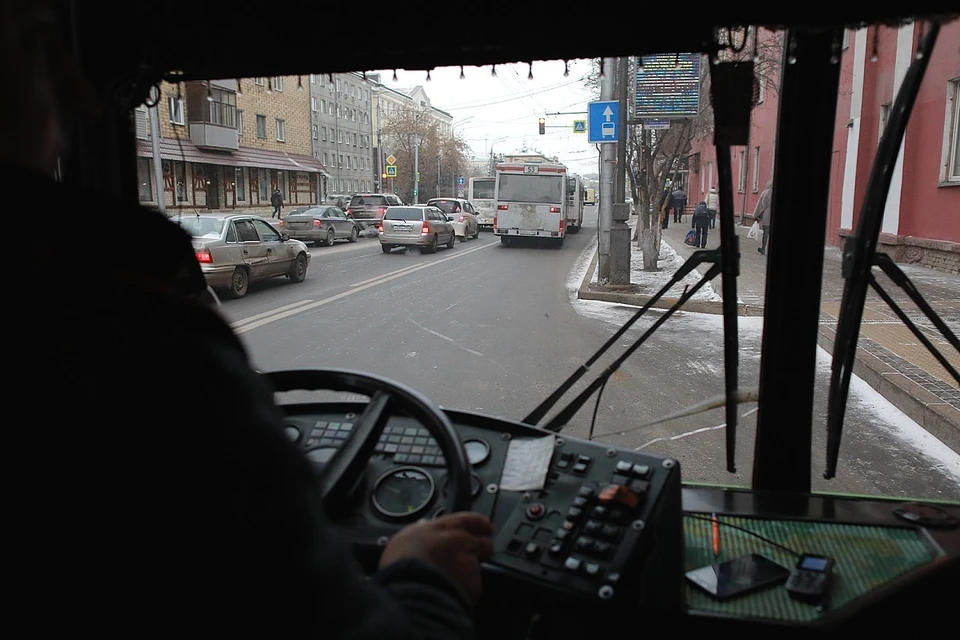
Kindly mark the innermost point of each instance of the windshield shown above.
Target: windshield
(368, 201)
(447, 206)
(541, 189)
(483, 189)
(498, 318)
(404, 213)
(201, 227)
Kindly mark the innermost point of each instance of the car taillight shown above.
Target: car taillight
(554, 209)
(426, 228)
(348, 213)
(316, 222)
(502, 207)
(279, 223)
(382, 211)
(380, 227)
(203, 255)
(460, 219)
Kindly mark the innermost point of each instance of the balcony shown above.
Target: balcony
(212, 114)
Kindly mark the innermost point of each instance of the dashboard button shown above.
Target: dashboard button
(535, 511)
(573, 564)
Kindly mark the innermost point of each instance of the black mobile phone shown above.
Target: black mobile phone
(739, 576)
(810, 580)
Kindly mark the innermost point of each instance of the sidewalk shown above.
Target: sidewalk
(889, 357)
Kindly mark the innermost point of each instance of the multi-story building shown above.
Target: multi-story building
(389, 103)
(342, 131)
(227, 144)
(919, 220)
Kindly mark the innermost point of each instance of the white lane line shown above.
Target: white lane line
(244, 321)
(280, 314)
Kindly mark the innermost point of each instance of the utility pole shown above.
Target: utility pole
(157, 162)
(608, 160)
(619, 231)
(416, 169)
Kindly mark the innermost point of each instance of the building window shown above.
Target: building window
(316, 132)
(240, 122)
(313, 78)
(259, 81)
(742, 177)
(223, 107)
(277, 83)
(313, 104)
(280, 130)
(951, 135)
(239, 185)
(884, 116)
(175, 105)
(755, 185)
(145, 182)
(261, 126)
(846, 38)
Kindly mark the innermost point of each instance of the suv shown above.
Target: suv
(421, 226)
(368, 208)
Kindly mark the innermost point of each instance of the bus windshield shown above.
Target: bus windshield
(482, 188)
(541, 189)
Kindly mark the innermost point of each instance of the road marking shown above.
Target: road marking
(281, 312)
(239, 323)
(408, 269)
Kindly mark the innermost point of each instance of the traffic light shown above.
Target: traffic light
(543, 126)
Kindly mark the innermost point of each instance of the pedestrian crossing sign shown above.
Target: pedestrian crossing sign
(579, 126)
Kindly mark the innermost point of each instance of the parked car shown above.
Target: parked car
(464, 215)
(320, 224)
(426, 227)
(234, 250)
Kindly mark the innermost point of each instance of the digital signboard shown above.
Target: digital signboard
(668, 86)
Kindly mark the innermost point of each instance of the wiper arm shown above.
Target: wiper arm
(685, 269)
(895, 273)
(563, 417)
(860, 250)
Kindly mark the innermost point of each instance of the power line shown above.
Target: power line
(511, 99)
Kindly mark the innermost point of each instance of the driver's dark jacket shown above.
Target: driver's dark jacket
(159, 493)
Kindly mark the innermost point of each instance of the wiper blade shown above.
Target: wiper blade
(563, 417)
(895, 273)
(685, 269)
(860, 250)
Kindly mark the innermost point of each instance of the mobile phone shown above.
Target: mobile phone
(811, 578)
(738, 577)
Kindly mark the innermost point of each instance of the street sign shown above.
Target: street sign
(416, 192)
(396, 191)
(460, 181)
(391, 159)
(579, 126)
(604, 121)
(391, 171)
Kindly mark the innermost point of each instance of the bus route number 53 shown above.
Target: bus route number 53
(531, 168)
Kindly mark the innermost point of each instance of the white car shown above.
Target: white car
(461, 213)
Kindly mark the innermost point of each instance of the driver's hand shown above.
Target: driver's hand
(454, 543)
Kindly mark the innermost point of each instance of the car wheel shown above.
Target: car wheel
(239, 283)
(298, 272)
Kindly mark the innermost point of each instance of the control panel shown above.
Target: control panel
(586, 530)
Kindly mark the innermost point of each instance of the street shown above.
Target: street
(494, 329)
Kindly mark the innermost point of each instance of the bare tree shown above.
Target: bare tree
(591, 79)
(655, 157)
(441, 158)
(761, 45)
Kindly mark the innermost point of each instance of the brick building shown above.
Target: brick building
(226, 144)
(921, 221)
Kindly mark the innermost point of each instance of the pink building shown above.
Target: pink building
(922, 216)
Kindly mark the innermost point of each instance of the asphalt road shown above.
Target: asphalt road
(495, 329)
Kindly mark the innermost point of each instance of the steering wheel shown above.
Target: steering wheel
(348, 463)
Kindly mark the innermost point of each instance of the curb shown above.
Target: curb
(936, 417)
(639, 299)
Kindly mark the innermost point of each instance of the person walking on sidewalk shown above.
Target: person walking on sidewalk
(678, 200)
(713, 205)
(701, 223)
(764, 214)
(277, 201)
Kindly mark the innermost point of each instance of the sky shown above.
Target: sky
(502, 112)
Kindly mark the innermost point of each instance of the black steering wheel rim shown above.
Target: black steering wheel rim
(352, 456)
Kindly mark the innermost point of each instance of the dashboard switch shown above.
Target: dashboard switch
(535, 511)
(618, 494)
(641, 470)
(532, 550)
(573, 564)
(624, 466)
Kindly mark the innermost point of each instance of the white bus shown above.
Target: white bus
(531, 201)
(480, 196)
(575, 198)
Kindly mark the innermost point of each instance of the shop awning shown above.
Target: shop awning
(185, 150)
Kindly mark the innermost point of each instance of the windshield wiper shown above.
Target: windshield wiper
(732, 91)
(860, 255)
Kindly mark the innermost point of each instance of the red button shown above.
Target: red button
(535, 510)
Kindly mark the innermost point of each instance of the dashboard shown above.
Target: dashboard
(578, 518)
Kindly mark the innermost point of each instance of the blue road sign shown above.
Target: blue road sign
(604, 121)
(460, 180)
